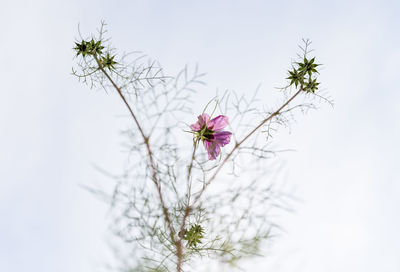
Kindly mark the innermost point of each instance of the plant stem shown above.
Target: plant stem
(198, 196)
(149, 152)
(188, 194)
(246, 137)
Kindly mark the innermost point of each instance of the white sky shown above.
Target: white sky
(53, 129)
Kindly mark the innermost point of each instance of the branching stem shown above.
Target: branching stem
(198, 196)
(244, 139)
(149, 152)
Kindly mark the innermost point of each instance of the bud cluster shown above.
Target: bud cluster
(95, 49)
(304, 74)
(194, 235)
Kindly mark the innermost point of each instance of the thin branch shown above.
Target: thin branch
(198, 196)
(149, 152)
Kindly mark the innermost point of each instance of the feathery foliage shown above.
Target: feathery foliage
(162, 207)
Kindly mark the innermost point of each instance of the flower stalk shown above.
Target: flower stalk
(149, 152)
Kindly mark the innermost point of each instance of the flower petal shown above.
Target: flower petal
(222, 138)
(202, 119)
(212, 148)
(196, 126)
(218, 123)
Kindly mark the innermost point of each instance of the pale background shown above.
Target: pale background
(53, 129)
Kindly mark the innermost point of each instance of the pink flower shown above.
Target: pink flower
(210, 131)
